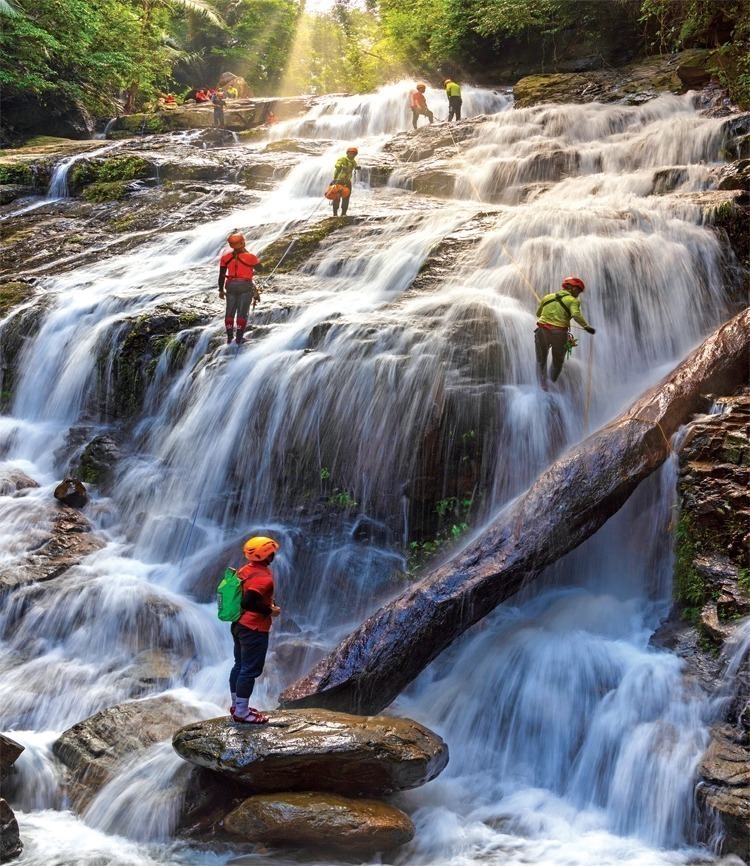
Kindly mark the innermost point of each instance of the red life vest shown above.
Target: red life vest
(240, 266)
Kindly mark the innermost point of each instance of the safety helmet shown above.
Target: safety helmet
(421, 87)
(352, 149)
(236, 239)
(447, 80)
(259, 548)
(573, 283)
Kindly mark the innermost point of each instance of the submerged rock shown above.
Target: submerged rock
(317, 750)
(93, 748)
(310, 819)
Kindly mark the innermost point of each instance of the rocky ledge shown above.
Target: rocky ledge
(317, 750)
(11, 845)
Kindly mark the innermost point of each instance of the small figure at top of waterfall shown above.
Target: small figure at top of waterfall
(236, 270)
(250, 632)
(419, 107)
(345, 166)
(453, 92)
(553, 321)
(218, 102)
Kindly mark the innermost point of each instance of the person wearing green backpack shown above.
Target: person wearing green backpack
(250, 632)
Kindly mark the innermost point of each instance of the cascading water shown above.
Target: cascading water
(571, 740)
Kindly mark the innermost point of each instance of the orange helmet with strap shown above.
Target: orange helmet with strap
(236, 239)
(421, 86)
(259, 548)
(573, 283)
(353, 150)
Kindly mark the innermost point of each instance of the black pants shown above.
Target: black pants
(454, 107)
(250, 648)
(544, 340)
(239, 297)
(417, 112)
(344, 201)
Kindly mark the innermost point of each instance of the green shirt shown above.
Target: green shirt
(452, 89)
(344, 168)
(558, 308)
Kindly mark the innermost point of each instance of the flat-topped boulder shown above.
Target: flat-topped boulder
(310, 819)
(304, 750)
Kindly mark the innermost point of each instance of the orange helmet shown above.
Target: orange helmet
(259, 548)
(236, 239)
(573, 283)
(352, 149)
(447, 80)
(421, 87)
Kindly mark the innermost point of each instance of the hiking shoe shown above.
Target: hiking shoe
(240, 341)
(253, 717)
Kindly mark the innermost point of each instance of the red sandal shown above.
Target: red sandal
(253, 717)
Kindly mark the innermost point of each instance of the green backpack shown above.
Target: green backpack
(229, 597)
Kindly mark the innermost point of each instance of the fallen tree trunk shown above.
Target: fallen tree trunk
(564, 507)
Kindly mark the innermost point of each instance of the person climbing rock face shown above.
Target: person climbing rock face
(553, 320)
(342, 174)
(250, 633)
(418, 105)
(236, 270)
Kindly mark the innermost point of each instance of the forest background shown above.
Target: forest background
(106, 56)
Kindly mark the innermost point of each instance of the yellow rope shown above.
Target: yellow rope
(647, 421)
(588, 389)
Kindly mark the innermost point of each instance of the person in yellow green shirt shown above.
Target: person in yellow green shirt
(455, 102)
(342, 173)
(553, 320)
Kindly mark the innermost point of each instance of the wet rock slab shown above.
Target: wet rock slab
(93, 748)
(317, 750)
(327, 821)
(10, 838)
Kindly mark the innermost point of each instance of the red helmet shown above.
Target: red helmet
(573, 283)
(352, 149)
(421, 87)
(259, 548)
(236, 239)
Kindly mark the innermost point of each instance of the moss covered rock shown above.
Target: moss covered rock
(12, 294)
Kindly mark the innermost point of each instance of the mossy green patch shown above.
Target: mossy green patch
(12, 294)
(102, 192)
(689, 588)
(304, 245)
(16, 172)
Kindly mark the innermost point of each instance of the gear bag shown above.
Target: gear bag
(229, 597)
(336, 191)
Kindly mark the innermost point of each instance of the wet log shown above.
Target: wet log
(564, 507)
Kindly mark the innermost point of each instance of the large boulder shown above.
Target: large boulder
(304, 750)
(93, 748)
(9, 753)
(312, 820)
(10, 839)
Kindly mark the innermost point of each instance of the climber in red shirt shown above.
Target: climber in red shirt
(236, 270)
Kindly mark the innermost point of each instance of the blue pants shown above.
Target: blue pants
(250, 647)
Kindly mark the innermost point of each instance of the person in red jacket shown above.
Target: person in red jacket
(419, 107)
(236, 270)
(250, 632)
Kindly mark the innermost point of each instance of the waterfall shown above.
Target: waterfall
(572, 741)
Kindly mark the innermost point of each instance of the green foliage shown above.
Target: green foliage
(18, 172)
(342, 499)
(108, 170)
(721, 24)
(689, 588)
(743, 580)
(101, 192)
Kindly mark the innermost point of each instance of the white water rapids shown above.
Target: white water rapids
(572, 741)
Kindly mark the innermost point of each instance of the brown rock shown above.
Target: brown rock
(310, 819)
(13, 480)
(70, 491)
(93, 748)
(317, 749)
(9, 752)
(10, 839)
(63, 543)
